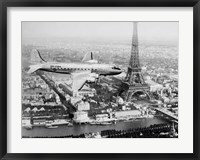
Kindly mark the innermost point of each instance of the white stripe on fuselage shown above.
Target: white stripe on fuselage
(71, 67)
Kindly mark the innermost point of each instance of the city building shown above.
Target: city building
(101, 117)
(81, 106)
(81, 117)
(125, 114)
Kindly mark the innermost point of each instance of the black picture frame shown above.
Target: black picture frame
(98, 3)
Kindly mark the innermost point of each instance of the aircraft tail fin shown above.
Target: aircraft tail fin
(36, 57)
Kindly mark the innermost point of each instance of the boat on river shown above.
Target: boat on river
(52, 127)
(100, 123)
(70, 124)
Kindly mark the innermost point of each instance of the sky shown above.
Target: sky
(103, 31)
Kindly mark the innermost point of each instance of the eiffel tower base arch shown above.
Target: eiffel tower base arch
(127, 91)
(129, 94)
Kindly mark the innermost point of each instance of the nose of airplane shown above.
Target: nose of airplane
(120, 70)
(117, 70)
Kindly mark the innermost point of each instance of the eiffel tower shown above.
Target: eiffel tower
(134, 81)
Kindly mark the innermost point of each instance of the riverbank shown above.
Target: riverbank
(153, 131)
(87, 128)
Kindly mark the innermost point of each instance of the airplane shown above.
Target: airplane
(82, 72)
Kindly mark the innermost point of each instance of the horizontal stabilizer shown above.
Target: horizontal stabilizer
(34, 68)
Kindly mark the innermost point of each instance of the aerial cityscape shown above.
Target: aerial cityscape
(99, 80)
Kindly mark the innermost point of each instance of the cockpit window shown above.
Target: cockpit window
(115, 67)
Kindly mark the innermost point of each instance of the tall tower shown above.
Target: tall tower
(134, 81)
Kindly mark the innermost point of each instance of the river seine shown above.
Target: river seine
(87, 128)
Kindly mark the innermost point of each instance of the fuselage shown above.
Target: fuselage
(68, 68)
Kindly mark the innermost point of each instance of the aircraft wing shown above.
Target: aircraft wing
(80, 78)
